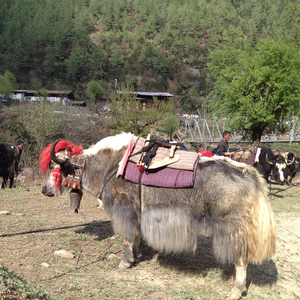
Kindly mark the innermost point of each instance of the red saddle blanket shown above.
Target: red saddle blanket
(162, 177)
(180, 174)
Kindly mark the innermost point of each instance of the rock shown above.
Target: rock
(4, 212)
(112, 256)
(19, 214)
(64, 253)
(45, 265)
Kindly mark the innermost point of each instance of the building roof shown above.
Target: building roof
(154, 94)
(49, 92)
(148, 94)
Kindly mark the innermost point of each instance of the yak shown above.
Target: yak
(269, 164)
(291, 170)
(292, 166)
(6, 164)
(265, 161)
(228, 200)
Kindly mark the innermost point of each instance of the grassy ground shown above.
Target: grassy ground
(37, 226)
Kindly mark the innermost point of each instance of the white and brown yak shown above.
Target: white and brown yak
(228, 200)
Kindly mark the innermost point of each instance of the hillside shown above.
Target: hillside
(155, 45)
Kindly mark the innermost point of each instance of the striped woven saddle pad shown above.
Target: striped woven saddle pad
(178, 174)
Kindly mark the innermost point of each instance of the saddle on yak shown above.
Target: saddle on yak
(247, 156)
(160, 164)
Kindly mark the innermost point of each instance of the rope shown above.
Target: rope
(106, 181)
(150, 151)
(48, 229)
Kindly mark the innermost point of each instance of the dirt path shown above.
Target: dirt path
(39, 226)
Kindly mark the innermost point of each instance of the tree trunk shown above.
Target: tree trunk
(256, 135)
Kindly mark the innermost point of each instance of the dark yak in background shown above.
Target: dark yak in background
(293, 166)
(270, 165)
(267, 163)
(6, 162)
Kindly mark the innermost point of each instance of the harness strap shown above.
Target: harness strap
(99, 195)
(140, 190)
(243, 152)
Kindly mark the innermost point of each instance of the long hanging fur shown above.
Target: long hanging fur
(241, 227)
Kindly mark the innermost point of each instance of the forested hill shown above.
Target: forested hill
(158, 45)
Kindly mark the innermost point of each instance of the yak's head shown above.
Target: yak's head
(56, 159)
(279, 165)
(297, 164)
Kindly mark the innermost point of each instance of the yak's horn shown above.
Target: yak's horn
(288, 164)
(267, 159)
(53, 156)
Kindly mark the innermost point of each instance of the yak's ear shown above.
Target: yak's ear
(68, 168)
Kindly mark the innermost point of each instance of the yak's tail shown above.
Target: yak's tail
(250, 233)
(263, 230)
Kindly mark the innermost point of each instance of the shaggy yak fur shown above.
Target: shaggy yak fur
(228, 200)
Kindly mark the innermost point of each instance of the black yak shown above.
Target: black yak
(6, 162)
(265, 161)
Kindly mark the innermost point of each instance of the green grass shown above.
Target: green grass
(285, 198)
(14, 287)
(285, 147)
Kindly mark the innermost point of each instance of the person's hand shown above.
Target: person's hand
(229, 154)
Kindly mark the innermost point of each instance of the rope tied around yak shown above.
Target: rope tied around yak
(150, 149)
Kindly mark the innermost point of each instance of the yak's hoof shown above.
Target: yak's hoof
(235, 294)
(124, 265)
(137, 258)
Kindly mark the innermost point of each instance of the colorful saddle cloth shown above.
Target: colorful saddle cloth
(162, 177)
(178, 174)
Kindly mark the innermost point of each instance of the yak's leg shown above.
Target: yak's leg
(137, 248)
(128, 257)
(12, 180)
(3, 183)
(132, 253)
(239, 280)
(100, 204)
